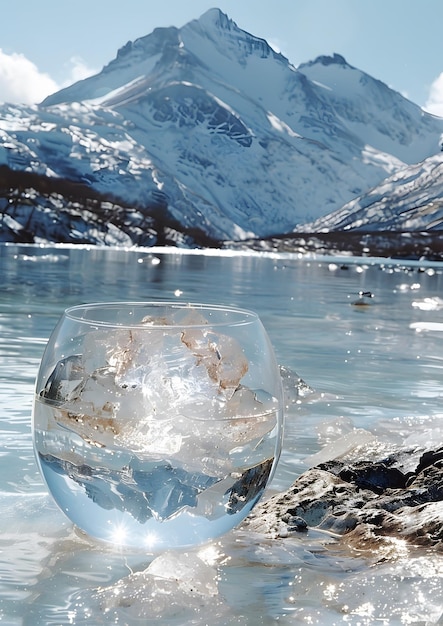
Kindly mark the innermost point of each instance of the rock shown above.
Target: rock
(368, 500)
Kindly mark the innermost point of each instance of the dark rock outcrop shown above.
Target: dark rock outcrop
(364, 501)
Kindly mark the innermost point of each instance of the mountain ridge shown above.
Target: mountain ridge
(410, 200)
(236, 141)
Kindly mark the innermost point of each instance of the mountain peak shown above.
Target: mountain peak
(216, 17)
(335, 59)
(230, 39)
(149, 44)
(326, 60)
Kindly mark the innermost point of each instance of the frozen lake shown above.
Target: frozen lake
(377, 367)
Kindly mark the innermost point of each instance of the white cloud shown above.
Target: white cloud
(434, 102)
(78, 71)
(22, 82)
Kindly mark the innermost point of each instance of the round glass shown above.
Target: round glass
(157, 425)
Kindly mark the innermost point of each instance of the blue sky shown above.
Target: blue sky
(47, 44)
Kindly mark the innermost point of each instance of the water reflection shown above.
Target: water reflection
(377, 368)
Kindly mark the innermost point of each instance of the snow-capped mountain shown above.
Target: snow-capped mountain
(410, 200)
(209, 125)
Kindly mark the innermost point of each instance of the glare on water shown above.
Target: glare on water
(374, 366)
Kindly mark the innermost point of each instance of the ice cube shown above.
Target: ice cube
(220, 354)
(65, 378)
(132, 387)
(251, 418)
(294, 387)
(231, 364)
(215, 434)
(176, 586)
(130, 350)
(90, 409)
(151, 438)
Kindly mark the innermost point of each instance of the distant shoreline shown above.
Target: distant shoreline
(401, 246)
(328, 247)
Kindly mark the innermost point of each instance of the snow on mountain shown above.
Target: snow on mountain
(409, 200)
(217, 129)
(383, 119)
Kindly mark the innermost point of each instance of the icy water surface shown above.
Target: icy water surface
(376, 366)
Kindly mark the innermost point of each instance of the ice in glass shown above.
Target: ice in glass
(157, 425)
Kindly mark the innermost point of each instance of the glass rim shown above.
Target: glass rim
(238, 315)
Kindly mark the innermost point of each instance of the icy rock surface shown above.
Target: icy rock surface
(373, 495)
